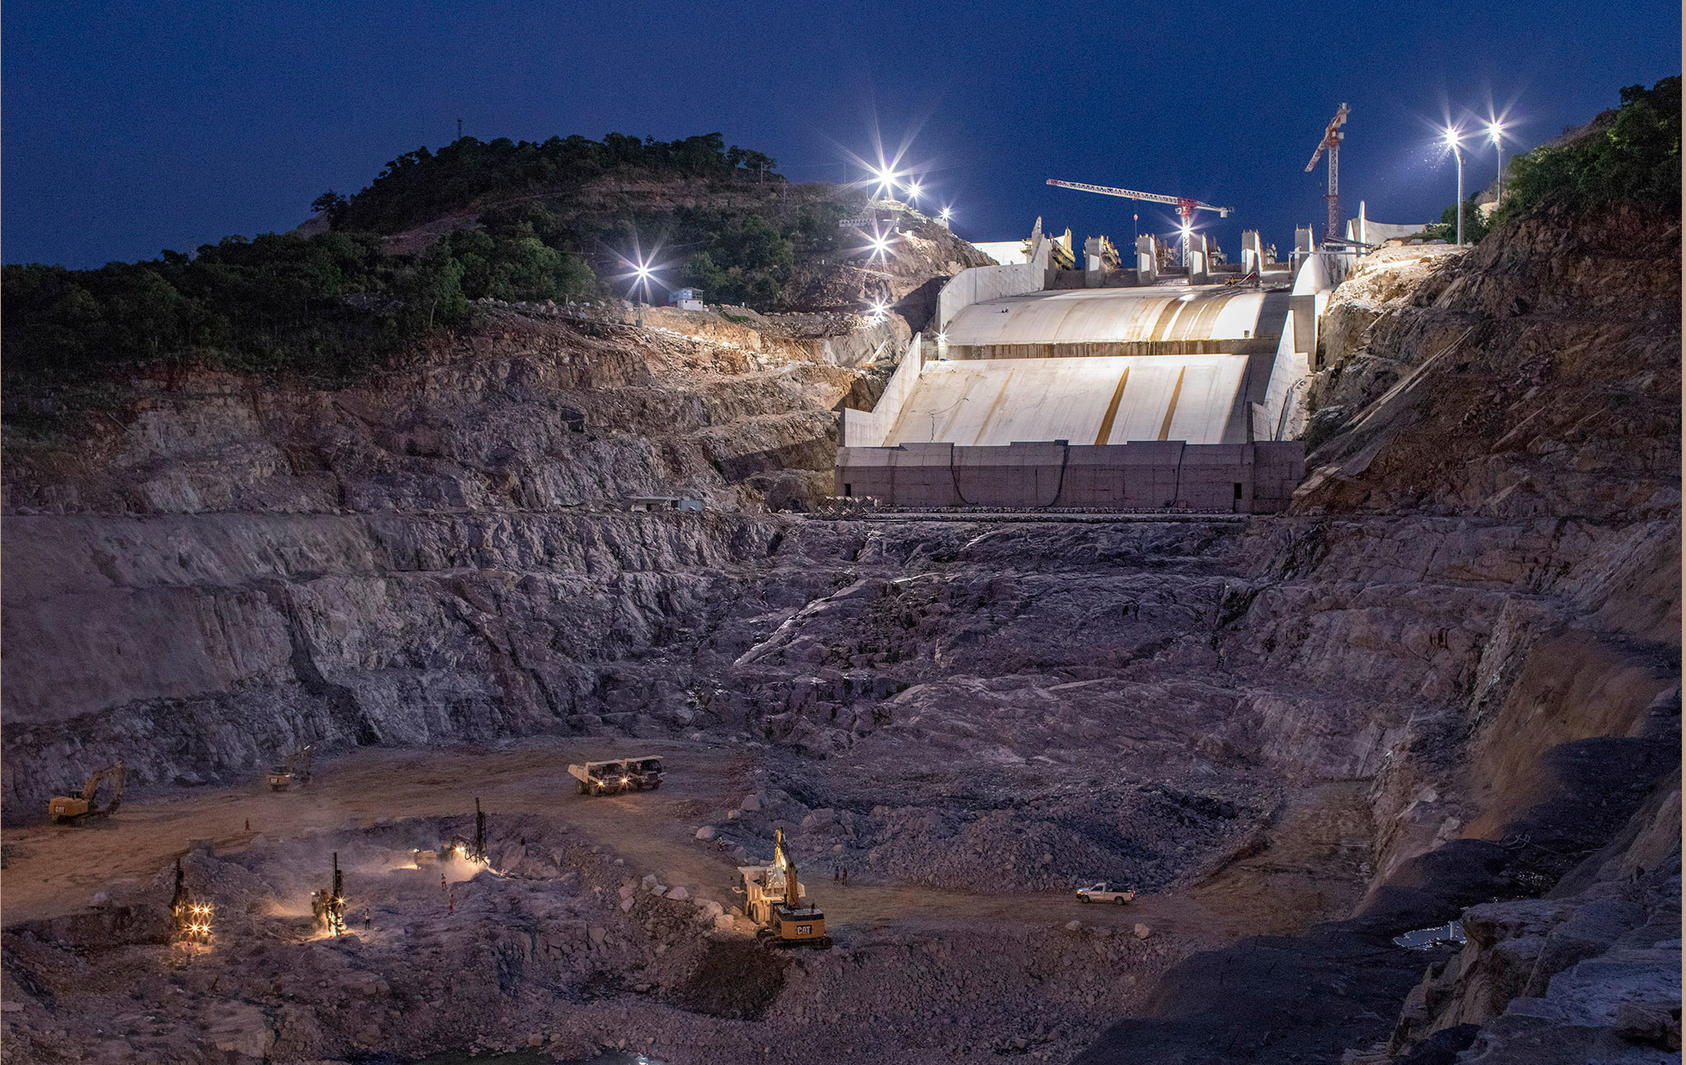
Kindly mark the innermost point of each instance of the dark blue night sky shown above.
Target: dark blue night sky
(131, 128)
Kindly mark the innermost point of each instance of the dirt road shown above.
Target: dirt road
(53, 870)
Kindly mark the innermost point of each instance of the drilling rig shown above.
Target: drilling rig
(328, 907)
(191, 917)
(473, 850)
(1331, 143)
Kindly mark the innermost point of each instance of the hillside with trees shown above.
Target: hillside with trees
(407, 256)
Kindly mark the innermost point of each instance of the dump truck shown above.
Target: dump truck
(645, 772)
(775, 900)
(601, 778)
(295, 770)
(83, 805)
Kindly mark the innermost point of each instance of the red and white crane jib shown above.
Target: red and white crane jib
(1185, 206)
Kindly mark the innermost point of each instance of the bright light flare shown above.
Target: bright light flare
(946, 214)
(878, 311)
(641, 270)
(1452, 136)
(884, 179)
(878, 243)
(913, 190)
(1495, 131)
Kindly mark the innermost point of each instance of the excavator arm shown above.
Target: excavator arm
(113, 773)
(81, 805)
(792, 885)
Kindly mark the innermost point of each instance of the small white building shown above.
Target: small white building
(686, 299)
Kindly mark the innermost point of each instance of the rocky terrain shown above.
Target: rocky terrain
(553, 944)
(1457, 659)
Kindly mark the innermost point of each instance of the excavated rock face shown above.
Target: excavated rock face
(522, 412)
(1537, 374)
(1528, 392)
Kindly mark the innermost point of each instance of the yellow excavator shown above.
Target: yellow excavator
(295, 770)
(81, 807)
(774, 900)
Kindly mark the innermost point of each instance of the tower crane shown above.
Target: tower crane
(1331, 143)
(1184, 205)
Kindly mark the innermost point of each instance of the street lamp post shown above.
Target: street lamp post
(1495, 130)
(642, 272)
(1453, 142)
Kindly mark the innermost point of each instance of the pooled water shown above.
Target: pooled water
(1449, 934)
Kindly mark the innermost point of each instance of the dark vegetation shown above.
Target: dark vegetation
(530, 221)
(270, 303)
(1633, 157)
(1476, 227)
(420, 186)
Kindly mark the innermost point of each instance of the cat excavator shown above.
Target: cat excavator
(774, 900)
(82, 806)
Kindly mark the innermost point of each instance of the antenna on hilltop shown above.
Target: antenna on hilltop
(459, 129)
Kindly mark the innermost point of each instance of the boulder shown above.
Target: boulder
(1143, 931)
(705, 833)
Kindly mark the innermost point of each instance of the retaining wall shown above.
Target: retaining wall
(979, 283)
(861, 428)
(1146, 475)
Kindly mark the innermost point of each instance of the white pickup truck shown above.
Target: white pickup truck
(1104, 892)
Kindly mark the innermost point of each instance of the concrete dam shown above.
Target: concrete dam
(1164, 394)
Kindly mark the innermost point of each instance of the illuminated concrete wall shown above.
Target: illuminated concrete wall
(1369, 231)
(993, 282)
(1158, 320)
(860, 428)
(1099, 400)
(1212, 478)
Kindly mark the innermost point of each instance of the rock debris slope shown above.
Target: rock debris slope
(1523, 398)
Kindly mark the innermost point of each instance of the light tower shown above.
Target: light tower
(1496, 130)
(1331, 143)
(1454, 141)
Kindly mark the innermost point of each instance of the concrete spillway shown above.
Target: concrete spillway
(1154, 396)
(1200, 399)
(1151, 320)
